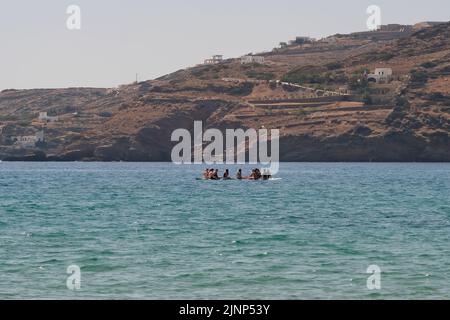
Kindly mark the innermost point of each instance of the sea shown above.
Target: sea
(154, 231)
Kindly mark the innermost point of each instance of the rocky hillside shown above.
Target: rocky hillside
(315, 92)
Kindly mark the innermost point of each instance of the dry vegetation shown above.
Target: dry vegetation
(405, 120)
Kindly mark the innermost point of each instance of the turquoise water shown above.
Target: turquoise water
(150, 230)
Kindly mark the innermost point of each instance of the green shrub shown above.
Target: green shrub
(418, 77)
(242, 90)
(299, 77)
(401, 101)
(438, 97)
(358, 83)
(323, 78)
(200, 71)
(260, 75)
(367, 99)
(334, 65)
(8, 118)
(379, 56)
(429, 64)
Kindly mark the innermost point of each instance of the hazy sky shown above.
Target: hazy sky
(154, 37)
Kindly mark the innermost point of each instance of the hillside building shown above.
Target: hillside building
(214, 60)
(43, 116)
(381, 75)
(252, 59)
(301, 40)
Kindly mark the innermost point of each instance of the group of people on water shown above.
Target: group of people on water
(213, 174)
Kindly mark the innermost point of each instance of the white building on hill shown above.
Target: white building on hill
(214, 60)
(43, 116)
(381, 75)
(252, 59)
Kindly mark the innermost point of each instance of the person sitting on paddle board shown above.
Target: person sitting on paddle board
(215, 175)
(257, 174)
(226, 175)
(252, 175)
(239, 174)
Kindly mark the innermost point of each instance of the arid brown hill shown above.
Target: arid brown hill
(316, 92)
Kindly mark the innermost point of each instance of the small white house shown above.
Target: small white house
(380, 75)
(214, 60)
(252, 59)
(43, 116)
